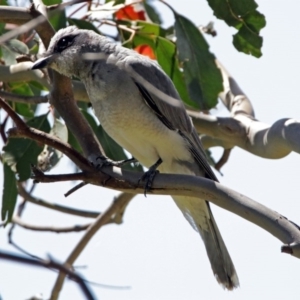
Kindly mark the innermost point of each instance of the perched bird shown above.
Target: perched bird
(126, 90)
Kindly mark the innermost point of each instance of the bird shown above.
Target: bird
(127, 92)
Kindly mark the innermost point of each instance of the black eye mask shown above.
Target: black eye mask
(64, 43)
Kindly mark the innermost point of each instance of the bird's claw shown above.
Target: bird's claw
(149, 176)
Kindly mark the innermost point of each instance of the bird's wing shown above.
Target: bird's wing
(174, 117)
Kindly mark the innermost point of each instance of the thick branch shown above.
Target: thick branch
(127, 181)
(268, 141)
(54, 142)
(232, 96)
(167, 184)
(19, 72)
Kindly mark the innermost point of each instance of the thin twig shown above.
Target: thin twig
(75, 188)
(223, 160)
(75, 228)
(57, 207)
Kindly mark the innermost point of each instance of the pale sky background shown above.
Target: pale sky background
(155, 251)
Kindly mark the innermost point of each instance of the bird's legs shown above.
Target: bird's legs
(149, 176)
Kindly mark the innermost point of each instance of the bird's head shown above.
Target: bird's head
(66, 51)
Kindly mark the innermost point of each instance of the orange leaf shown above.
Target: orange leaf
(129, 13)
(145, 50)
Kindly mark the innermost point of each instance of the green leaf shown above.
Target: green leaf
(21, 88)
(241, 8)
(145, 34)
(9, 195)
(59, 20)
(149, 29)
(256, 21)
(222, 11)
(20, 153)
(2, 25)
(243, 16)
(82, 24)
(116, 2)
(91, 120)
(165, 52)
(110, 147)
(248, 42)
(202, 77)
(152, 13)
(11, 49)
(36, 87)
(24, 109)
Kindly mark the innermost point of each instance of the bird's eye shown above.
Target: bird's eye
(64, 43)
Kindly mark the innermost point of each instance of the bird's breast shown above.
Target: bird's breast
(124, 115)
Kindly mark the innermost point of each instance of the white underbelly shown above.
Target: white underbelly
(147, 139)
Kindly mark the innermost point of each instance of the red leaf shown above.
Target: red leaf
(145, 50)
(129, 13)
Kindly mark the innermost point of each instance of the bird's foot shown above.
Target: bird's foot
(149, 176)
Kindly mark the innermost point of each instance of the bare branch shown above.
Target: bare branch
(24, 99)
(232, 96)
(75, 228)
(223, 160)
(267, 141)
(201, 188)
(51, 265)
(17, 120)
(57, 207)
(117, 205)
(19, 72)
(52, 141)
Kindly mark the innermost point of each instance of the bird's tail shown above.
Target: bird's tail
(199, 215)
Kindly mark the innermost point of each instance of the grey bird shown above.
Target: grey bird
(126, 90)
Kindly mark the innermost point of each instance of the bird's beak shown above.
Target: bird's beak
(42, 63)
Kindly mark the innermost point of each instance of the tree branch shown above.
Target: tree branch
(232, 96)
(24, 99)
(169, 184)
(51, 264)
(242, 129)
(75, 228)
(116, 206)
(57, 207)
(126, 181)
(20, 72)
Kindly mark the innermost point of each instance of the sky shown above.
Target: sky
(155, 251)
